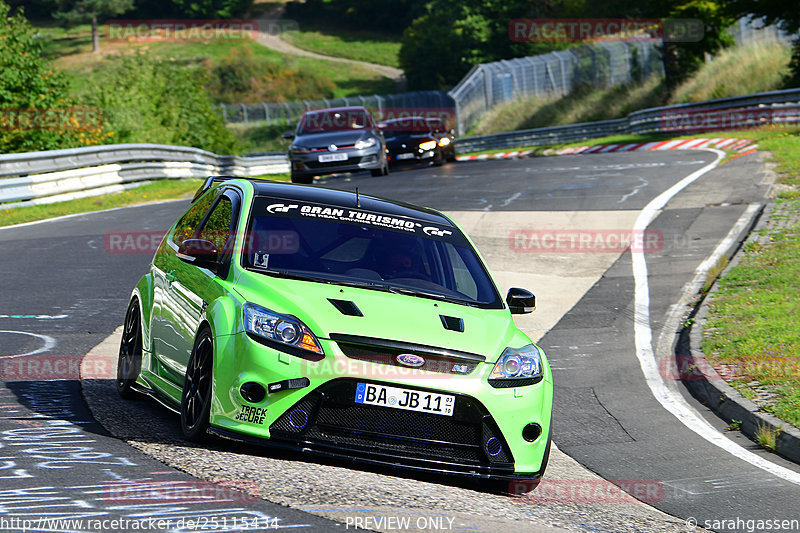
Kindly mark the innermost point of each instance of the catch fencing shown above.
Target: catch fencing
(603, 64)
(385, 106)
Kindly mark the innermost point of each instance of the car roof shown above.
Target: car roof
(336, 110)
(331, 197)
(413, 118)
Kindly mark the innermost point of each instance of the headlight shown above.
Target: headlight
(427, 145)
(300, 149)
(283, 329)
(518, 363)
(444, 141)
(365, 143)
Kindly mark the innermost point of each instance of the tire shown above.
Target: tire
(382, 171)
(196, 395)
(301, 178)
(129, 362)
(438, 159)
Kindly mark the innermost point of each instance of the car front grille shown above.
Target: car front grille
(385, 355)
(329, 415)
(352, 161)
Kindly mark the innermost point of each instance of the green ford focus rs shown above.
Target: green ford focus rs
(340, 325)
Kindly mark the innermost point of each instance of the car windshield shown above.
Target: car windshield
(333, 120)
(406, 126)
(372, 250)
(406, 133)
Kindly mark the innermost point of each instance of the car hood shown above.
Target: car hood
(386, 315)
(325, 139)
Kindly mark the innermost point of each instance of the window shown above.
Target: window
(188, 225)
(218, 227)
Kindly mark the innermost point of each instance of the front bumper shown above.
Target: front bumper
(483, 439)
(357, 160)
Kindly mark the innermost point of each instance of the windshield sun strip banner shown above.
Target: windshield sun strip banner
(298, 209)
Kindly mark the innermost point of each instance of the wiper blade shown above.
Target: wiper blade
(427, 294)
(349, 283)
(284, 274)
(363, 284)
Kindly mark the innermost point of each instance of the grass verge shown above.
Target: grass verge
(153, 192)
(71, 52)
(350, 44)
(752, 331)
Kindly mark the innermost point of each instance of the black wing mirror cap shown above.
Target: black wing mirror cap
(200, 253)
(520, 301)
(288, 135)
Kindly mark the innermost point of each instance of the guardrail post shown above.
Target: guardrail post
(244, 113)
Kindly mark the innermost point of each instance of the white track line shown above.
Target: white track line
(48, 343)
(643, 335)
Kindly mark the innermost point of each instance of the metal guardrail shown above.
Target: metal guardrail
(57, 175)
(43, 177)
(776, 107)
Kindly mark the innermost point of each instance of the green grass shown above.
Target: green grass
(351, 44)
(261, 137)
(585, 104)
(766, 437)
(153, 192)
(159, 190)
(754, 318)
(70, 50)
(736, 71)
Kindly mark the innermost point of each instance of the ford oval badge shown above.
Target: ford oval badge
(409, 359)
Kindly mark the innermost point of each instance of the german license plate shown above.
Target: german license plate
(405, 156)
(327, 158)
(410, 400)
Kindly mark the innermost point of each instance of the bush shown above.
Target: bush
(158, 101)
(36, 112)
(243, 77)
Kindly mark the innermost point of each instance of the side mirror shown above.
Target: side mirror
(288, 135)
(520, 301)
(200, 253)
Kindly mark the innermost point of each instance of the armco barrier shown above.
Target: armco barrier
(57, 175)
(776, 107)
(41, 177)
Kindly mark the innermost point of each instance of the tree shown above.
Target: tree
(77, 11)
(36, 112)
(682, 59)
(224, 9)
(158, 101)
(778, 12)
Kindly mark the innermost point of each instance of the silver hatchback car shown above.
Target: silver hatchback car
(342, 139)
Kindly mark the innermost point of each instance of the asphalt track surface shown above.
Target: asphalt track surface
(59, 281)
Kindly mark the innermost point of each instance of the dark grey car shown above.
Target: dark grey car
(342, 139)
